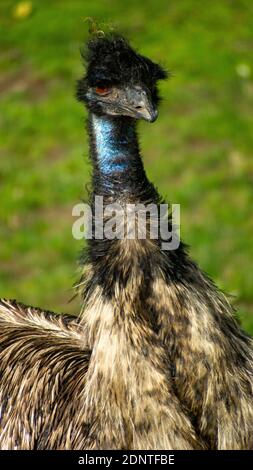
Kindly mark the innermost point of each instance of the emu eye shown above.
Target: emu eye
(102, 90)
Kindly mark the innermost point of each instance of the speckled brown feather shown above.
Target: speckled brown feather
(43, 360)
(212, 357)
(58, 394)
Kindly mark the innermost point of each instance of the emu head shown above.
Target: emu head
(118, 80)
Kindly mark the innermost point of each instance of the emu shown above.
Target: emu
(211, 359)
(156, 359)
(102, 381)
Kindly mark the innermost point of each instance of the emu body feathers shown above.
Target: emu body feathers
(43, 364)
(57, 394)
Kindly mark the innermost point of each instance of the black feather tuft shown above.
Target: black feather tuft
(111, 60)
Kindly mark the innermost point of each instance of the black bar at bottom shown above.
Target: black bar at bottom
(110, 459)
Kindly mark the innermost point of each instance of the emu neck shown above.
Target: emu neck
(118, 261)
(117, 166)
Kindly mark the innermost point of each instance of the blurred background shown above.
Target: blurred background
(199, 152)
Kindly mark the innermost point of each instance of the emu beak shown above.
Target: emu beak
(139, 103)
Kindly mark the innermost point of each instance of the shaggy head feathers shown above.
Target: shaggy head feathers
(112, 61)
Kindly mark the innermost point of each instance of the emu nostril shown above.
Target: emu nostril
(138, 107)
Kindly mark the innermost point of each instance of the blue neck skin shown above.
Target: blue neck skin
(115, 143)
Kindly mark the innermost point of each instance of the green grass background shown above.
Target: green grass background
(199, 152)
